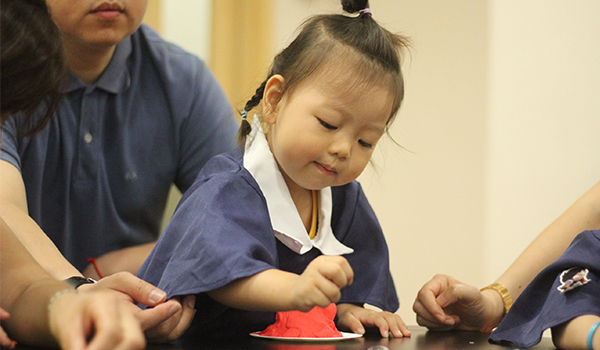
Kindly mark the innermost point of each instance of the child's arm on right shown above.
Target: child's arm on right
(574, 333)
(276, 290)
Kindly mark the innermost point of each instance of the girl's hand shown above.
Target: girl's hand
(354, 318)
(320, 283)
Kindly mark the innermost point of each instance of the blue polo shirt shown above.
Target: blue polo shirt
(98, 176)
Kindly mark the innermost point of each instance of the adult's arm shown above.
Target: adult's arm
(166, 321)
(13, 210)
(127, 259)
(446, 303)
(44, 311)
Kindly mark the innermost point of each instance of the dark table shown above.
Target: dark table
(421, 339)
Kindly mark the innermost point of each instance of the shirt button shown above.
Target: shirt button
(88, 137)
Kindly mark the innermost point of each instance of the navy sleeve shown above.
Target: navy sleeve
(220, 232)
(543, 305)
(354, 223)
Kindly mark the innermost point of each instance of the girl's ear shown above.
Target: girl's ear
(271, 98)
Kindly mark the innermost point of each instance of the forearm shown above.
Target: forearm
(26, 291)
(584, 214)
(36, 242)
(127, 259)
(13, 210)
(268, 290)
(29, 322)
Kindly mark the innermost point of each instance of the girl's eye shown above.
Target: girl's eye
(365, 144)
(326, 125)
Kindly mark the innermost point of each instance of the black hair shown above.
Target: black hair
(33, 68)
(375, 50)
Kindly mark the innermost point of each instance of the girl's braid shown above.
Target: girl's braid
(245, 128)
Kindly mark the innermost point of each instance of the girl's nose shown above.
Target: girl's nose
(341, 148)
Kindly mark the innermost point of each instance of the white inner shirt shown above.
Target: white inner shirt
(287, 224)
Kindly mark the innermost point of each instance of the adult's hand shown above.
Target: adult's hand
(181, 315)
(5, 341)
(163, 321)
(445, 303)
(94, 320)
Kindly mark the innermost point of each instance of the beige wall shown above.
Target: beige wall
(543, 120)
(500, 124)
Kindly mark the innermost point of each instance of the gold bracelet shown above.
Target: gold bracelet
(504, 294)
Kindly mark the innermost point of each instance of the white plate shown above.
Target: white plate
(343, 337)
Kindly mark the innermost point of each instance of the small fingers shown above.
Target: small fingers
(352, 323)
(395, 325)
(336, 269)
(322, 281)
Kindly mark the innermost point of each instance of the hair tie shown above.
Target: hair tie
(244, 115)
(366, 11)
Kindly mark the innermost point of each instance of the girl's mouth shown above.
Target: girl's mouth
(327, 170)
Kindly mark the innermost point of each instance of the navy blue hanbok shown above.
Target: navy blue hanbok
(224, 229)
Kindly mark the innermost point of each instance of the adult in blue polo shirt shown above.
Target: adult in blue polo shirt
(139, 115)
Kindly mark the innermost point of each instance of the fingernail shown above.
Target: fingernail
(157, 295)
(191, 302)
(360, 331)
(386, 334)
(449, 321)
(174, 309)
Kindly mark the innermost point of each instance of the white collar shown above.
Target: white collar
(287, 224)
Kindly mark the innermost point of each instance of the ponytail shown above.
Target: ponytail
(354, 6)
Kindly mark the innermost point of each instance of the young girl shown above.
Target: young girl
(264, 229)
(565, 297)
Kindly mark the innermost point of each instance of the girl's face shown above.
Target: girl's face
(96, 22)
(323, 133)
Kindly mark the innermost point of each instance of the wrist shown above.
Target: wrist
(77, 281)
(56, 301)
(499, 301)
(504, 294)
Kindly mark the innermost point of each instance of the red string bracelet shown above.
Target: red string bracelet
(93, 262)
